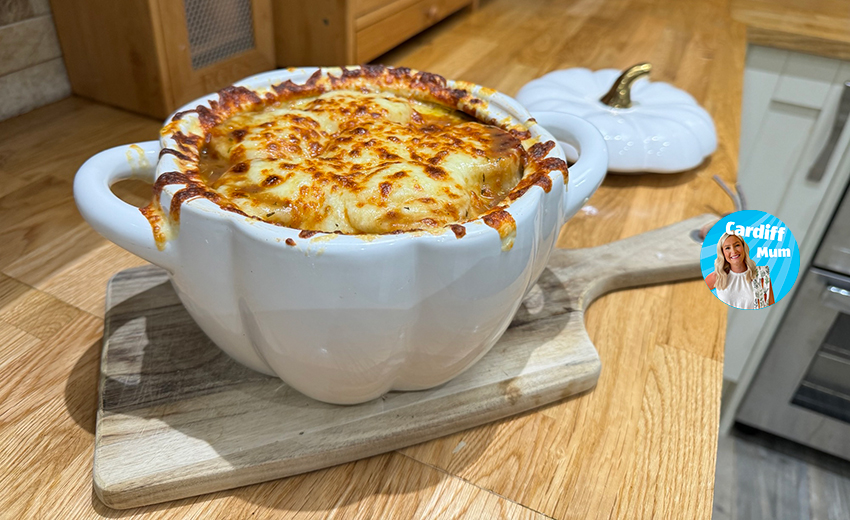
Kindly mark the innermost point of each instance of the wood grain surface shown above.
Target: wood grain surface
(819, 27)
(641, 445)
(177, 417)
(136, 54)
(94, 32)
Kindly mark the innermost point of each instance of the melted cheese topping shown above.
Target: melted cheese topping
(361, 162)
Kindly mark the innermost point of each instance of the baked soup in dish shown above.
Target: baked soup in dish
(373, 150)
(352, 231)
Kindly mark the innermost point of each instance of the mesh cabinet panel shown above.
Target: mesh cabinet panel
(218, 29)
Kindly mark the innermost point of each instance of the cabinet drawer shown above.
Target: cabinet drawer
(361, 7)
(383, 35)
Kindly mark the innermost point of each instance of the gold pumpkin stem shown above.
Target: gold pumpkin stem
(620, 95)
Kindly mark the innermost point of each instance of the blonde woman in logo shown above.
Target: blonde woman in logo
(739, 281)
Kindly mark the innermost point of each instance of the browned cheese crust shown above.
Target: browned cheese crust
(374, 150)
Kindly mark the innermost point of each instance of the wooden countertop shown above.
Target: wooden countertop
(642, 444)
(812, 26)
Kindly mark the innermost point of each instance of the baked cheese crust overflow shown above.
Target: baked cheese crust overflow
(375, 150)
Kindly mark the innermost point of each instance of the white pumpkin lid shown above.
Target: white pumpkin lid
(664, 131)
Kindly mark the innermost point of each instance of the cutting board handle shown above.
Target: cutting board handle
(663, 255)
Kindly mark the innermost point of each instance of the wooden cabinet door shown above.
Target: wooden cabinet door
(209, 44)
(386, 27)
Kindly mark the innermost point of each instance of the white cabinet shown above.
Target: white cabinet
(790, 105)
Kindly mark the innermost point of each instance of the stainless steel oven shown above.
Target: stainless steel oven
(802, 388)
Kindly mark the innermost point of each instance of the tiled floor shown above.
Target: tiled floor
(760, 476)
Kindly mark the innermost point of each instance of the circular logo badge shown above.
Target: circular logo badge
(750, 259)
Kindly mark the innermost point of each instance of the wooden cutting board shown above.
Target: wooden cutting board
(177, 417)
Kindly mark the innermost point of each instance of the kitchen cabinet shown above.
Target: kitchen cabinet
(345, 32)
(153, 56)
(791, 165)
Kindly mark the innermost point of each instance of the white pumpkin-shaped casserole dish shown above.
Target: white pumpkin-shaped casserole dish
(663, 131)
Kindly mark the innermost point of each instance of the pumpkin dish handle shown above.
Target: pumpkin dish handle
(620, 95)
(110, 216)
(589, 170)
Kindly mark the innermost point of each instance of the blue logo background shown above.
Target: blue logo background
(783, 271)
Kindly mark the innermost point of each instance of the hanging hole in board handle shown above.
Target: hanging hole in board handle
(738, 199)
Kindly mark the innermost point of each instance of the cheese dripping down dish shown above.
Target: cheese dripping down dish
(372, 151)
